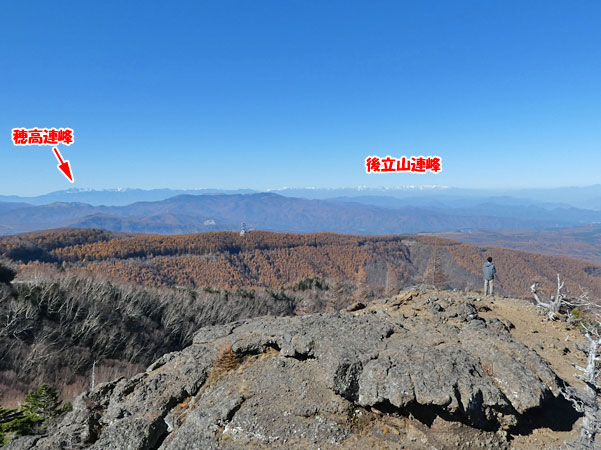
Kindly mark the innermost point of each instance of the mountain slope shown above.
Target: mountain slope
(354, 264)
(587, 197)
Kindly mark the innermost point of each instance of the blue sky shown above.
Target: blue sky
(265, 94)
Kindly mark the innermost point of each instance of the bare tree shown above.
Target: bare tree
(17, 317)
(585, 400)
(553, 304)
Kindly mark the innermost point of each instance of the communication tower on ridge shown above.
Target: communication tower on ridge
(243, 229)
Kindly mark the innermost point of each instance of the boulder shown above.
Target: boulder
(298, 382)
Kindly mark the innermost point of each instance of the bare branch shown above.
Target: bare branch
(554, 303)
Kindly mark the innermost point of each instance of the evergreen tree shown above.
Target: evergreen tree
(43, 403)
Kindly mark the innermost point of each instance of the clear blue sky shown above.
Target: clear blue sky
(260, 94)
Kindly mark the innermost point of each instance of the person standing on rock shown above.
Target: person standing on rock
(489, 270)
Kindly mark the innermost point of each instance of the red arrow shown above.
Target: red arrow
(63, 166)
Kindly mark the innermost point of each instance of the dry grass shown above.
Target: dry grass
(226, 361)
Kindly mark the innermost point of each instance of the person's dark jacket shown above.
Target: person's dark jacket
(489, 270)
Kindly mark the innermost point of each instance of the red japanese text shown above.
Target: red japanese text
(413, 164)
(42, 136)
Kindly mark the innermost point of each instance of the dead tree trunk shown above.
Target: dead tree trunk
(585, 400)
(588, 396)
(554, 304)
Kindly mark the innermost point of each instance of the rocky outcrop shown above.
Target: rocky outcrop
(306, 382)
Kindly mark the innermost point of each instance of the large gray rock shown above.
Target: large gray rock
(298, 383)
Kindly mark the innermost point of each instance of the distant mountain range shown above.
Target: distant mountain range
(114, 197)
(367, 214)
(588, 197)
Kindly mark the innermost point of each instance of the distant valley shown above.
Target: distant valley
(580, 242)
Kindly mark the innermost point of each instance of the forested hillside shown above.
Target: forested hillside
(56, 327)
(226, 260)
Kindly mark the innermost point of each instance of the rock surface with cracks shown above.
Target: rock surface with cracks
(318, 381)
